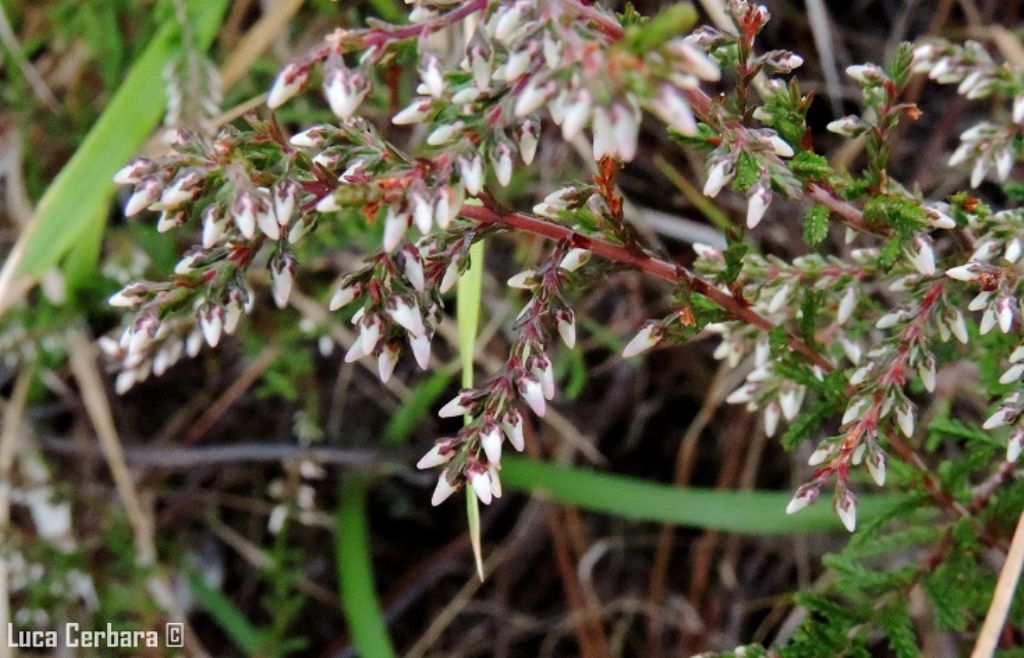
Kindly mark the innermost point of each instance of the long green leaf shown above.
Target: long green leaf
(355, 571)
(231, 620)
(748, 512)
(80, 195)
(470, 290)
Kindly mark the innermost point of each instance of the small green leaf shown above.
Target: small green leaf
(809, 166)
(816, 224)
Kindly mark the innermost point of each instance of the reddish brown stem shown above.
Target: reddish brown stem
(676, 274)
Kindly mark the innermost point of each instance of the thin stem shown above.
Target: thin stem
(638, 260)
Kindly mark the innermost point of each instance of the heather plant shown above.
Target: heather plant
(861, 349)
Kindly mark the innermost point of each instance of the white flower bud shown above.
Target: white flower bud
(395, 225)
(414, 112)
(577, 112)
(718, 176)
(480, 480)
(288, 83)
(442, 491)
(757, 204)
(998, 419)
(386, 362)
(533, 393)
(846, 509)
(645, 339)
(436, 456)
(420, 349)
(471, 171)
(446, 133)
(491, 440)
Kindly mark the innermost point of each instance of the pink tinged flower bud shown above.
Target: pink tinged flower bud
(1004, 163)
(741, 395)
(1015, 445)
(905, 419)
(431, 75)
(533, 393)
(194, 343)
(214, 227)
(395, 225)
(183, 188)
(128, 297)
(343, 297)
(567, 328)
(286, 195)
(574, 259)
(1004, 311)
(212, 323)
(328, 204)
(963, 273)
(780, 147)
(604, 133)
(146, 193)
(492, 472)
(790, 401)
(355, 351)
(771, 419)
(169, 220)
(480, 480)
(369, 334)
(978, 172)
(491, 440)
(443, 489)
(849, 126)
(821, 455)
(232, 315)
(420, 349)
(345, 90)
(718, 176)
(457, 406)
(501, 160)
(471, 171)
(440, 454)
(244, 214)
(998, 419)
(447, 206)
(386, 361)
(577, 112)
(1012, 374)
(267, 222)
(672, 107)
(414, 272)
(626, 126)
(533, 96)
(518, 63)
(757, 204)
(310, 137)
(288, 83)
(546, 374)
(525, 280)
(854, 411)
(480, 66)
(513, 426)
(282, 272)
(846, 509)
(450, 278)
(407, 316)
(645, 339)
(446, 133)
(988, 321)
(922, 256)
(804, 496)
(866, 73)
(696, 61)
(528, 137)
(508, 21)
(1017, 355)
(132, 172)
(876, 464)
(414, 112)
(847, 304)
(125, 380)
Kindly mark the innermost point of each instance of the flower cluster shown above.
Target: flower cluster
(857, 337)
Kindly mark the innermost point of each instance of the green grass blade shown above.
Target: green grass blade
(247, 637)
(470, 290)
(416, 407)
(355, 571)
(80, 195)
(748, 512)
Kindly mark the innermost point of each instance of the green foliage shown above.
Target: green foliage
(733, 255)
(904, 215)
(810, 166)
(816, 224)
(899, 66)
(643, 37)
